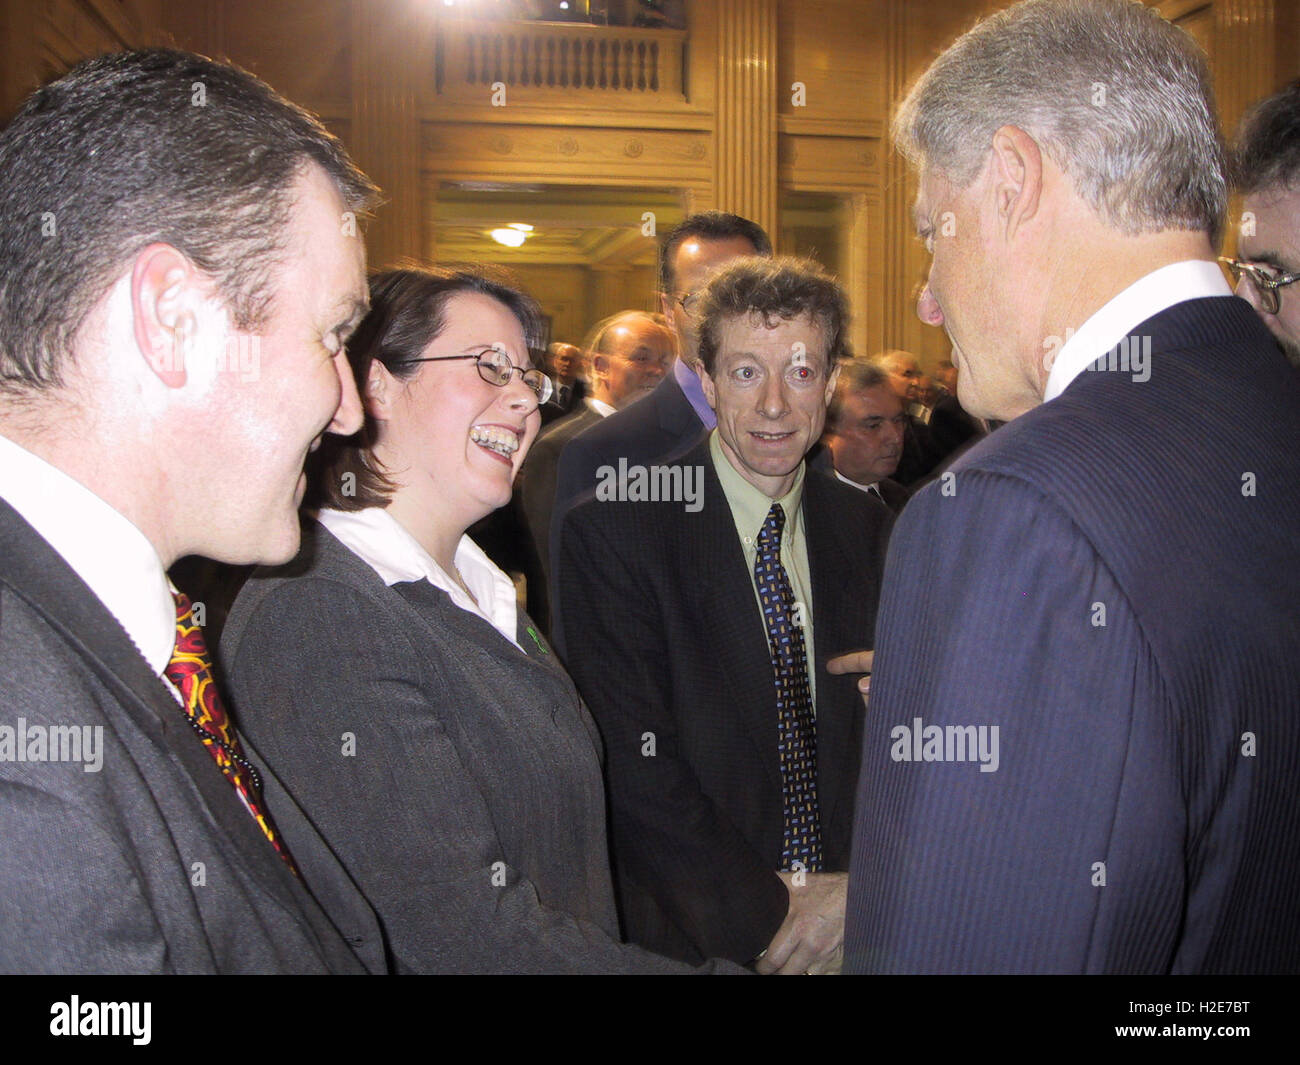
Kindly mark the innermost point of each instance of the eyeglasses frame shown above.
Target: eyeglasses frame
(543, 395)
(1267, 287)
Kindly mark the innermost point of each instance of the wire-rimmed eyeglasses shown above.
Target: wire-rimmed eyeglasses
(1266, 283)
(689, 301)
(495, 367)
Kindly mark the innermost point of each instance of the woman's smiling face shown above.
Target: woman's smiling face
(453, 439)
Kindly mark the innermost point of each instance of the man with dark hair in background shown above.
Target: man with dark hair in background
(865, 424)
(181, 268)
(1082, 745)
(698, 622)
(1267, 173)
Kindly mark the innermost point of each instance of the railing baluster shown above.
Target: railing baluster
(565, 57)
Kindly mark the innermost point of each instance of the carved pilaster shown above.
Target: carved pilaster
(746, 180)
(384, 133)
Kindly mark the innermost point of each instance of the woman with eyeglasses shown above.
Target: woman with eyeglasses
(387, 677)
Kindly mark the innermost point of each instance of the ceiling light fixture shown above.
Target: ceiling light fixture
(511, 238)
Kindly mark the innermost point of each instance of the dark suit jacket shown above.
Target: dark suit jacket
(1112, 579)
(950, 426)
(469, 806)
(553, 410)
(920, 454)
(666, 642)
(894, 494)
(661, 424)
(538, 476)
(151, 864)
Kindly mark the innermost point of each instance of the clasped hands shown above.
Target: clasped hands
(811, 938)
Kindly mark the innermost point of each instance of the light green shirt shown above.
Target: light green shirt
(749, 510)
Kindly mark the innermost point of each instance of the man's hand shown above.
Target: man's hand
(854, 662)
(811, 939)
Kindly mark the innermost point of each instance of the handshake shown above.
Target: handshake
(810, 940)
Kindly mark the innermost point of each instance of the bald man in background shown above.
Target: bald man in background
(630, 353)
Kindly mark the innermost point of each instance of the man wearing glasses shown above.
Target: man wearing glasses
(1268, 175)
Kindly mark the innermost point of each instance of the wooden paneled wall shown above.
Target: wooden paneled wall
(756, 100)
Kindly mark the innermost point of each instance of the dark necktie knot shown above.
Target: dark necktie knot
(769, 536)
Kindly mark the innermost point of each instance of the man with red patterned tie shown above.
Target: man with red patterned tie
(171, 348)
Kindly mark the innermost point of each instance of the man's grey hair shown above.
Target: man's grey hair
(857, 374)
(1119, 99)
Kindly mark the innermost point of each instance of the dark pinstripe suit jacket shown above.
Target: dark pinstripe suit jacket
(1113, 581)
(664, 636)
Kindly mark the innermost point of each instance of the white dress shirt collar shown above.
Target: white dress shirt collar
(601, 407)
(382, 543)
(104, 549)
(1145, 298)
(871, 489)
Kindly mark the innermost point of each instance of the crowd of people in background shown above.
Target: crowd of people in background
(701, 643)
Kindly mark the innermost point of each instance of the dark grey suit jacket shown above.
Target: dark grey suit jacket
(538, 476)
(664, 637)
(455, 777)
(1112, 581)
(151, 864)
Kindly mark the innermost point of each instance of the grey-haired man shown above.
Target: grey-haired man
(1082, 749)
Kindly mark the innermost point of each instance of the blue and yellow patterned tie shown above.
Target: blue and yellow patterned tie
(796, 725)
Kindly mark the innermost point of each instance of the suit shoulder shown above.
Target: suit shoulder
(38, 661)
(324, 577)
(562, 430)
(826, 492)
(623, 424)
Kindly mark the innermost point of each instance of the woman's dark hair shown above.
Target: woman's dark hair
(408, 311)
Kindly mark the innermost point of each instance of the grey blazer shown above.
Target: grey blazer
(455, 777)
(150, 864)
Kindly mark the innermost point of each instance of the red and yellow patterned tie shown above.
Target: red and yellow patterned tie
(190, 669)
